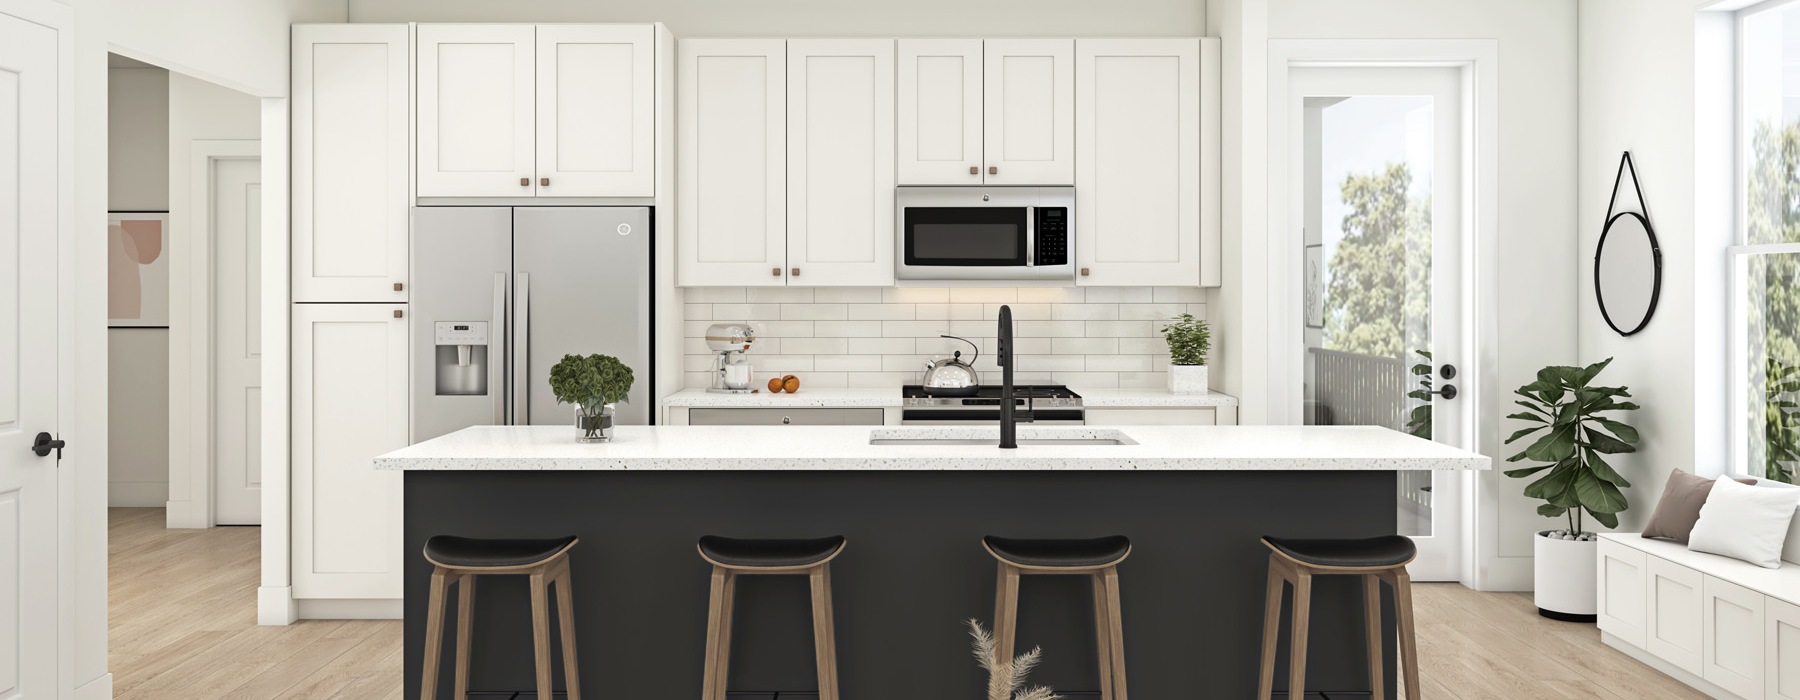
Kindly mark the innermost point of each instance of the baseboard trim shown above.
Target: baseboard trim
(1668, 669)
(275, 606)
(137, 494)
(350, 608)
(183, 515)
(98, 689)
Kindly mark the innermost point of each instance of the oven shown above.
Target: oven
(985, 233)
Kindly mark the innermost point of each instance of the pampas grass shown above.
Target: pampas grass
(1006, 677)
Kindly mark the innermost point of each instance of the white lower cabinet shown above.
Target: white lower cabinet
(1732, 637)
(1672, 622)
(349, 405)
(1781, 649)
(1620, 601)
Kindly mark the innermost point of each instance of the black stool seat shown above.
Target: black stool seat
(469, 552)
(1387, 550)
(1099, 551)
(768, 554)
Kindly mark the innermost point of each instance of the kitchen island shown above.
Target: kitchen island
(914, 503)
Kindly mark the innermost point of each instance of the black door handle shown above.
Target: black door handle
(43, 444)
(1448, 392)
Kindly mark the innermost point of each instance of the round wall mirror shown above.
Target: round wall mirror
(1627, 272)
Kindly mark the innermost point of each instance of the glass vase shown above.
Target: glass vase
(594, 427)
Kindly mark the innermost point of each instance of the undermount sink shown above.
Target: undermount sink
(1043, 437)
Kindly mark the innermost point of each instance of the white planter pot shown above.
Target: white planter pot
(1187, 379)
(1564, 578)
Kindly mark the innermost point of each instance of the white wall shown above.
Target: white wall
(1640, 92)
(689, 18)
(198, 110)
(137, 358)
(1536, 316)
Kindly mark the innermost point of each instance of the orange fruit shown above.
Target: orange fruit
(775, 385)
(791, 383)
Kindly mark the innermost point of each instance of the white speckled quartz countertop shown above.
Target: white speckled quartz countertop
(837, 448)
(885, 398)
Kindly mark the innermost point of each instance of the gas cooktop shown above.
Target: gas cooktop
(989, 395)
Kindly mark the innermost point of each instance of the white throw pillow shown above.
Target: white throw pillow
(1745, 522)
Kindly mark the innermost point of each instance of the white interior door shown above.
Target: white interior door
(30, 350)
(236, 213)
(1377, 214)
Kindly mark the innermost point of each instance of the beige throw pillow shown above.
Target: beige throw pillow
(1679, 508)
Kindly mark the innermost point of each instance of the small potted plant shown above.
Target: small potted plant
(1189, 339)
(1565, 402)
(595, 384)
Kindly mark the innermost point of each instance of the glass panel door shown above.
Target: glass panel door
(1379, 214)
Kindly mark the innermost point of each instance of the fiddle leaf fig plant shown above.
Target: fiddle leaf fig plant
(1189, 338)
(590, 382)
(1571, 412)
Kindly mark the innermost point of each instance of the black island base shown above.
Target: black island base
(913, 571)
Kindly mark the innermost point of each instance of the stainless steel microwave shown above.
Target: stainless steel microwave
(985, 233)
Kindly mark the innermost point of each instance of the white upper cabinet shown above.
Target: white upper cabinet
(515, 110)
(1029, 111)
(1137, 211)
(596, 110)
(732, 227)
(477, 105)
(840, 162)
(939, 141)
(350, 161)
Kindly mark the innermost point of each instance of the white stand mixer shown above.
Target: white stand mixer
(732, 375)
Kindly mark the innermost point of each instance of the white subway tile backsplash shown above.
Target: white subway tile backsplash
(866, 337)
(812, 312)
(779, 295)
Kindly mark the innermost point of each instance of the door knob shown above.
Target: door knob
(993, 170)
(1448, 392)
(43, 444)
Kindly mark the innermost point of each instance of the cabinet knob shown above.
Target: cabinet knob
(993, 170)
(973, 170)
(794, 272)
(776, 271)
(787, 420)
(399, 286)
(524, 182)
(1084, 272)
(543, 182)
(399, 314)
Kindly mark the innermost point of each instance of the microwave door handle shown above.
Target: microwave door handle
(1030, 236)
(497, 351)
(521, 350)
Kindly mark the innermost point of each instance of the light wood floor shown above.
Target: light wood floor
(183, 625)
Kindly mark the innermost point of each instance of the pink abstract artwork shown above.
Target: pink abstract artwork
(137, 291)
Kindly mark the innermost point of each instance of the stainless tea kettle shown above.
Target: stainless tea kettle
(950, 376)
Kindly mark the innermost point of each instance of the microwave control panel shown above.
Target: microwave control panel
(1052, 236)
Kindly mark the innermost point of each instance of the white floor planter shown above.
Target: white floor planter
(1187, 379)
(1564, 578)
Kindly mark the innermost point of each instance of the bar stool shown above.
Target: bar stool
(1375, 559)
(1098, 558)
(732, 558)
(459, 560)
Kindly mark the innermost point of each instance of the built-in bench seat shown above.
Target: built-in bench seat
(1728, 628)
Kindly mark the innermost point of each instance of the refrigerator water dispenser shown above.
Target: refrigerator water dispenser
(462, 358)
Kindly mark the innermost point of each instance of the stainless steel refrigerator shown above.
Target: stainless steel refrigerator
(500, 294)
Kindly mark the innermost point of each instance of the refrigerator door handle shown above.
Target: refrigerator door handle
(497, 346)
(521, 350)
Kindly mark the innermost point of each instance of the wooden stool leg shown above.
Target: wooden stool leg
(718, 635)
(540, 632)
(1372, 632)
(1115, 617)
(1409, 642)
(434, 633)
(1265, 683)
(465, 614)
(1006, 612)
(824, 632)
(565, 623)
(1102, 631)
(1297, 640)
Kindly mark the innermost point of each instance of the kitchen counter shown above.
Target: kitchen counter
(838, 448)
(890, 398)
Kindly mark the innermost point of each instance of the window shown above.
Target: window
(1766, 260)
